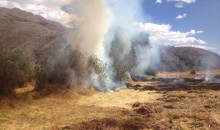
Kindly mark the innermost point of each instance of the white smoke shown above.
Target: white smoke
(147, 58)
(99, 23)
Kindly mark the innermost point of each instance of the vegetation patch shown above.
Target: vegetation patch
(16, 70)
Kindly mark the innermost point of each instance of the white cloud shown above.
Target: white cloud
(200, 31)
(49, 9)
(159, 1)
(184, 1)
(181, 16)
(162, 34)
(178, 3)
(199, 46)
(201, 42)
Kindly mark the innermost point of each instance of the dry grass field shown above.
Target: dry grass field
(187, 74)
(57, 111)
(133, 108)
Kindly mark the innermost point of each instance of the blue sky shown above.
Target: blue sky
(201, 15)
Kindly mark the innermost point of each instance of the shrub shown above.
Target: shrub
(98, 65)
(57, 72)
(15, 70)
(49, 73)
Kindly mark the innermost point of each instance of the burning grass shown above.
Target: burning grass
(133, 108)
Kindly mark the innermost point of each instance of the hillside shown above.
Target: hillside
(39, 38)
(36, 36)
(188, 58)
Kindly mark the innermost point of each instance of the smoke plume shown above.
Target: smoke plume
(91, 25)
(105, 29)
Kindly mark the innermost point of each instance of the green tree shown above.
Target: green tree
(15, 70)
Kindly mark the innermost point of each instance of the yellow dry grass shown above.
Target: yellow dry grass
(187, 74)
(122, 98)
(27, 88)
(83, 104)
(57, 111)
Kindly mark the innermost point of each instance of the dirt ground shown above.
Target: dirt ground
(143, 105)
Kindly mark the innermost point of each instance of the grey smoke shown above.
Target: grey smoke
(105, 28)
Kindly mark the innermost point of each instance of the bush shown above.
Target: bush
(15, 70)
(57, 72)
(120, 68)
(99, 66)
(70, 69)
(51, 74)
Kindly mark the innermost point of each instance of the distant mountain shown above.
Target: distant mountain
(188, 58)
(40, 38)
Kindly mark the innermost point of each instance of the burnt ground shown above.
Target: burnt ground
(185, 104)
(176, 84)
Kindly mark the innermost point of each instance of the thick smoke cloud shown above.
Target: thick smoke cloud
(130, 44)
(105, 28)
(92, 23)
